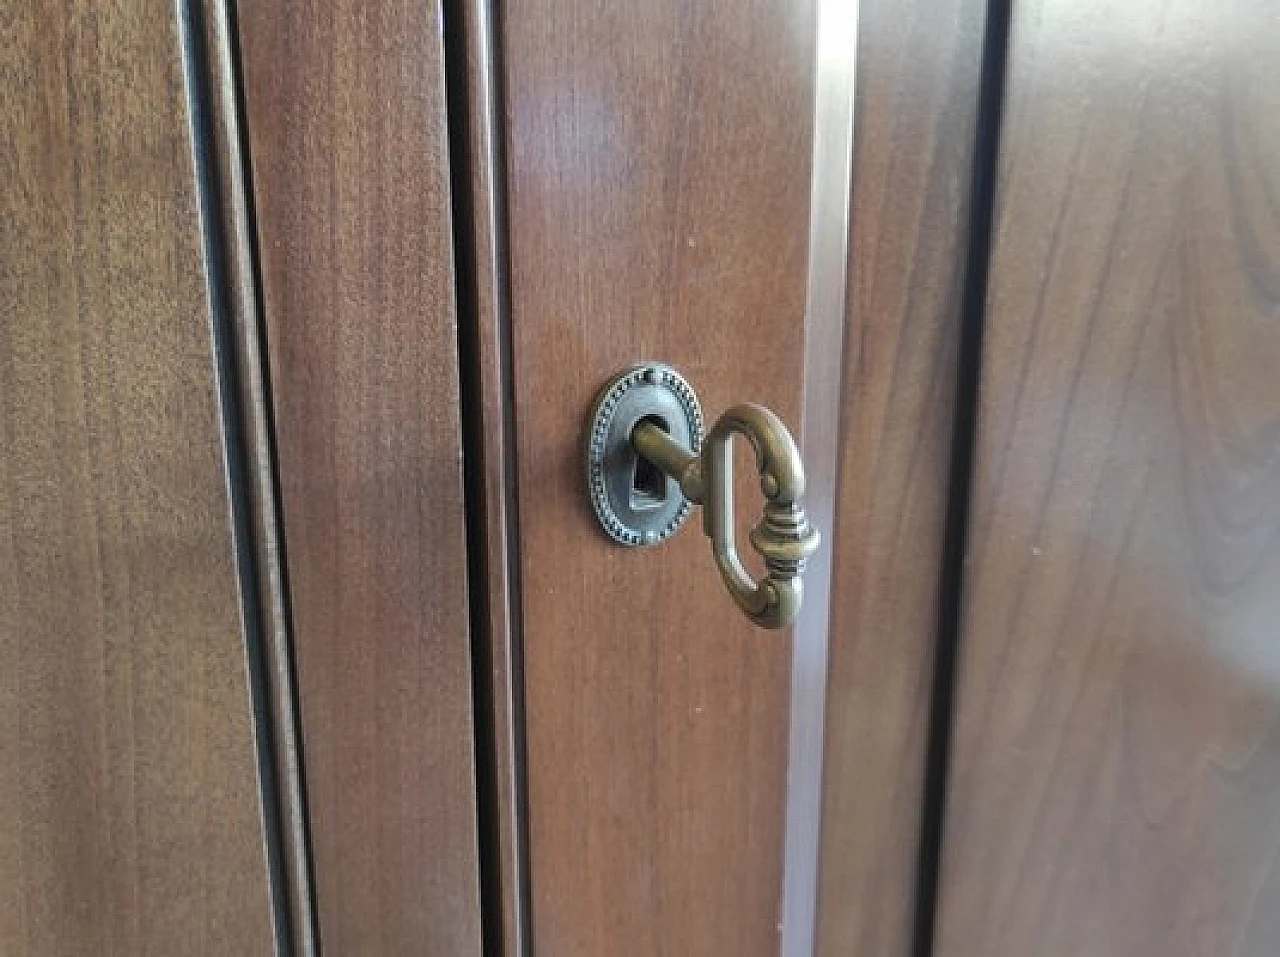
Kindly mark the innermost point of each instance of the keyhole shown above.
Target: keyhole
(648, 483)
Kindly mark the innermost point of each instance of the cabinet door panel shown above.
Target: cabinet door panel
(659, 158)
(1117, 741)
(656, 163)
(347, 132)
(130, 818)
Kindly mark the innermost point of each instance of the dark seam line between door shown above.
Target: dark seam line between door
(239, 439)
(196, 66)
(471, 367)
(511, 489)
(986, 157)
(243, 154)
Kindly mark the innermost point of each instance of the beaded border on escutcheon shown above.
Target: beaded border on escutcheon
(602, 422)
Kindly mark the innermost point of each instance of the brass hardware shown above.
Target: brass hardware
(635, 506)
(704, 476)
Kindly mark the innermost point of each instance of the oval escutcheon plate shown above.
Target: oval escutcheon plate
(635, 502)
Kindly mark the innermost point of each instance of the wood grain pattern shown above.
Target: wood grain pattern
(917, 94)
(348, 142)
(658, 159)
(129, 806)
(1117, 745)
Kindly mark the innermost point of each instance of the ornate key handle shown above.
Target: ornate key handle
(647, 462)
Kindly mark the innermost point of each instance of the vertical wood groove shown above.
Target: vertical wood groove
(479, 180)
(245, 337)
(213, 213)
(955, 533)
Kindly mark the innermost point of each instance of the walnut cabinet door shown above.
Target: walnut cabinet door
(1115, 777)
(770, 198)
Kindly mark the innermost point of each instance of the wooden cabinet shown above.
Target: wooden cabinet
(310, 641)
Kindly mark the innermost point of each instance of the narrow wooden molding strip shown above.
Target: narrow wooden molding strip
(476, 119)
(230, 166)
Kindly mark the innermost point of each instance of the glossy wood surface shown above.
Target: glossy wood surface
(1116, 779)
(917, 79)
(129, 805)
(658, 176)
(350, 177)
